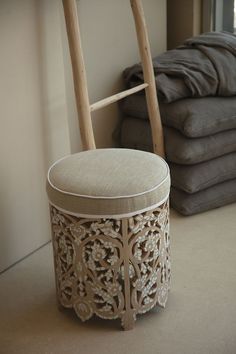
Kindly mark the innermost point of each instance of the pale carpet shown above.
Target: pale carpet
(200, 317)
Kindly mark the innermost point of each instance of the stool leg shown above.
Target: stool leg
(129, 316)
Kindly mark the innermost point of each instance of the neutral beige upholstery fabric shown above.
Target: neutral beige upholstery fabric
(108, 182)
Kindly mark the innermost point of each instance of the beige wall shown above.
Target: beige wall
(38, 116)
(34, 130)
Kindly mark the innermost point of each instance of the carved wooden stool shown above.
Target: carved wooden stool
(109, 208)
(110, 232)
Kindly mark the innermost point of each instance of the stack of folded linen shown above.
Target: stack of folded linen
(200, 132)
(200, 143)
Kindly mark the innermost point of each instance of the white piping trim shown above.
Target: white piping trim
(115, 216)
(101, 197)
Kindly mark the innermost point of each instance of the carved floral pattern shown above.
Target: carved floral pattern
(97, 263)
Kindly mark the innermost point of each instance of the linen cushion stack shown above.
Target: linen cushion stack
(199, 129)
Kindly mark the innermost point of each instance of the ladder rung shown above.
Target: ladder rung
(106, 101)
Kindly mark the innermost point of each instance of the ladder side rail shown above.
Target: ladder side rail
(79, 74)
(148, 73)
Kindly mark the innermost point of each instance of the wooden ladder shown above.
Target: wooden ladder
(84, 108)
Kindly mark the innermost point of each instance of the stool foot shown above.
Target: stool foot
(128, 320)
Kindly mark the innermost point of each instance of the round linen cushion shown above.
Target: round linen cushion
(108, 182)
(110, 232)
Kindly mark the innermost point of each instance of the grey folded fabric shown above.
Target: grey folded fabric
(225, 40)
(182, 150)
(136, 134)
(203, 66)
(210, 198)
(192, 117)
(194, 178)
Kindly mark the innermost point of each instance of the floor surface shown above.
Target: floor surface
(200, 317)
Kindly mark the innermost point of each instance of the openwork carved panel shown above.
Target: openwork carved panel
(112, 268)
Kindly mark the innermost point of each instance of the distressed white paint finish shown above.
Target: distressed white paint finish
(112, 268)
